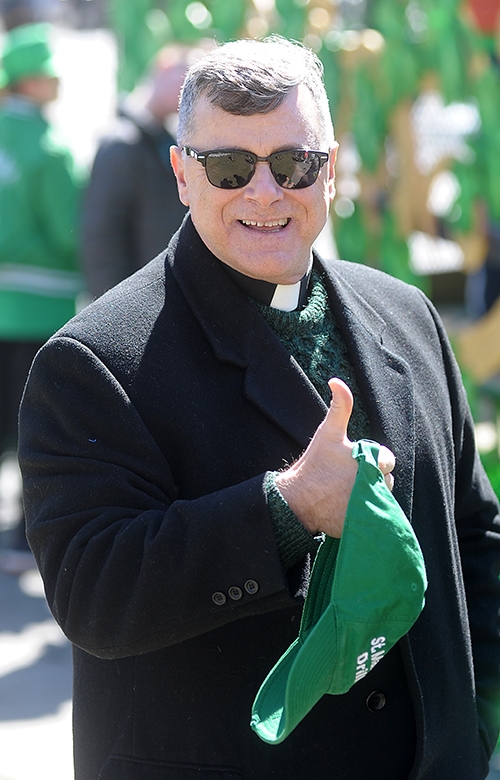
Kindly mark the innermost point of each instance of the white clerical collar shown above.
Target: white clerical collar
(286, 297)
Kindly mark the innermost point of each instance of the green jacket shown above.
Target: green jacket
(39, 214)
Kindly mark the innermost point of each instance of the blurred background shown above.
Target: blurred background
(414, 88)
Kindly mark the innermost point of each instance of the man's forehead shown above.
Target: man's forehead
(290, 125)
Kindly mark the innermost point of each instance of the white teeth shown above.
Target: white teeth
(270, 223)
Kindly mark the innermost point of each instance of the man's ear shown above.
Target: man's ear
(331, 170)
(177, 162)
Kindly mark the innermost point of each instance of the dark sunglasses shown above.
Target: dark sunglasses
(230, 169)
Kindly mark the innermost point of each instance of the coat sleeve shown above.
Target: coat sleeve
(129, 567)
(478, 531)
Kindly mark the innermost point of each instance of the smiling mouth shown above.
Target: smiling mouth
(268, 224)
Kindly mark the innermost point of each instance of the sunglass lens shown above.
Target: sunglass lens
(296, 169)
(229, 170)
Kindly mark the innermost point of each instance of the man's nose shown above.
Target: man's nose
(263, 188)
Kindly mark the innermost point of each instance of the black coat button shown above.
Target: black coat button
(235, 593)
(251, 587)
(376, 701)
(218, 598)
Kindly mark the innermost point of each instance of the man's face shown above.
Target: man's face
(261, 230)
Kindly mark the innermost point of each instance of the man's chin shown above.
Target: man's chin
(277, 270)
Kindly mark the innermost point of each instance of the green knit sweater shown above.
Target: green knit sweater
(313, 338)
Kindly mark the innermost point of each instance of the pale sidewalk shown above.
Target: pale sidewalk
(35, 685)
(35, 668)
(35, 658)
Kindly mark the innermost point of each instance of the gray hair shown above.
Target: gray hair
(248, 77)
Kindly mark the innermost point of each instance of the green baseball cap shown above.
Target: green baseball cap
(366, 591)
(27, 52)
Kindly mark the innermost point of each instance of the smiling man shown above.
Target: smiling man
(187, 440)
(265, 228)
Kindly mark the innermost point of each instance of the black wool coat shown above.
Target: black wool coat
(147, 426)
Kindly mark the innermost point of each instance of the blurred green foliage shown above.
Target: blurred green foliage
(420, 37)
(491, 463)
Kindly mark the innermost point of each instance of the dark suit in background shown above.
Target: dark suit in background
(131, 208)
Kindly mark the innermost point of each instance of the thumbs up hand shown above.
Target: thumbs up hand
(318, 485)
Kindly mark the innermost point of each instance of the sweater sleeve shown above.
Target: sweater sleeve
(292, 539)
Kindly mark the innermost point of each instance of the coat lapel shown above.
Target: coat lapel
(274, 382)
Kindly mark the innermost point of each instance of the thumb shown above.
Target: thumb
(340, 409)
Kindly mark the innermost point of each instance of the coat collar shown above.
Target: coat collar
(273, 381)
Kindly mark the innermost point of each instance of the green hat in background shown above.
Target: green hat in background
(27, 52)
(366, 591)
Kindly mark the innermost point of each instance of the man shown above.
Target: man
(131, 208)
(157, 430)
(39, 208)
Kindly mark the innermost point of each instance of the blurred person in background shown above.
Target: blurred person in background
(131, 207)
(39, 203)
(15, 13)
(483, 286)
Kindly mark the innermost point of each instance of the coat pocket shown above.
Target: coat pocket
(123, 768)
